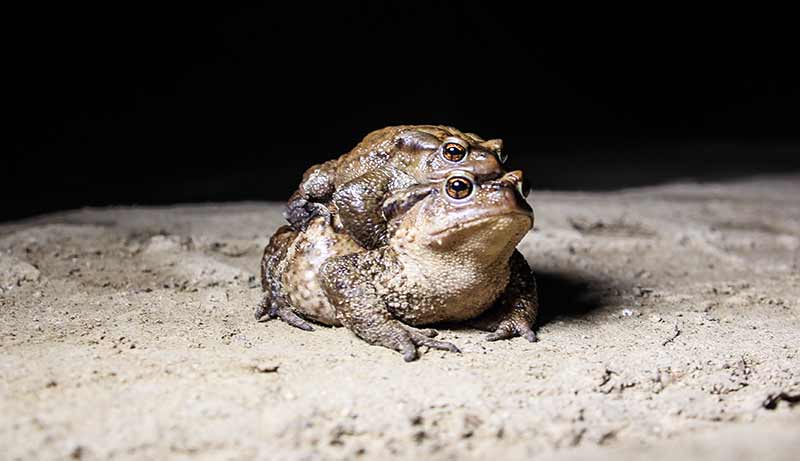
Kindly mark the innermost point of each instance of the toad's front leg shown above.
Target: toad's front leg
(374, 325)
(360, 308)
(516, 310)
(308, 201)
(359, 204)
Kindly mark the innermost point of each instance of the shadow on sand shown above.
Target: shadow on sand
(571, 295)
(562, 295)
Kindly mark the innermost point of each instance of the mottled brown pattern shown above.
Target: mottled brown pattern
(275, 302)
(390, 159)
(311, 249)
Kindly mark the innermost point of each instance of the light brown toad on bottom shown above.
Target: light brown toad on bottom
(451, 257)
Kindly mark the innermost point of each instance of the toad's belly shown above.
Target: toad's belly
(301, 279)
(447, 300)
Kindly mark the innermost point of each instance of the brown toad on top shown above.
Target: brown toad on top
(450, 257)
(386, 161)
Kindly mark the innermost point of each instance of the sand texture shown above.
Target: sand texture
(670, 328)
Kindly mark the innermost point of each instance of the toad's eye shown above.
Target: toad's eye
(454, 152)
(459, 187)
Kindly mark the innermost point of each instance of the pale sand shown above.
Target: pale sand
(670, 329)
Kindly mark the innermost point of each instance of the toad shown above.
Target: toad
(450, 257)
(388, 160)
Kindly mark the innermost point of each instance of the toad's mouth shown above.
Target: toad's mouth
(483, 219)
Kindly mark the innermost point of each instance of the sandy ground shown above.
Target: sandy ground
(670, 327)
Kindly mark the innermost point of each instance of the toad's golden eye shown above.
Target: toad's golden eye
(459, 187)
(454, 152)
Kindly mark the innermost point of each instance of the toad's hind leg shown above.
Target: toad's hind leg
(274, 302)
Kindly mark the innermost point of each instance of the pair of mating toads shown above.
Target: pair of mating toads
(416, 225)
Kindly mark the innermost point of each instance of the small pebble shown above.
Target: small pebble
(266, 368)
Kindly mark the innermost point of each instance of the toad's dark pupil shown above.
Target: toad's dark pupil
(454, 152)
(458, 188)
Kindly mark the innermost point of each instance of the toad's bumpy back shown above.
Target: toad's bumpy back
(355, 185)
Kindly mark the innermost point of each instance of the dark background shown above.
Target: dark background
(152, 104)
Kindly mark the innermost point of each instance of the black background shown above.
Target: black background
(151, 104)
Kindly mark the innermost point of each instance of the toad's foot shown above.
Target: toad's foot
(504, 328)
(511, 328)
(271, 310)
(405, 339)
(299, 212)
